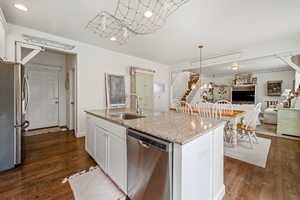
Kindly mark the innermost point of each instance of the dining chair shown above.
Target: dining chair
(247, 127)
(223, 108)
(184, 107)
(175, 104)
(206, 110)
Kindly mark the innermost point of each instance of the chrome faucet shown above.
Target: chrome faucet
(138, 108)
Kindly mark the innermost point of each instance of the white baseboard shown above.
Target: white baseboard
(289, 137)
(221, 193)
(80, 134)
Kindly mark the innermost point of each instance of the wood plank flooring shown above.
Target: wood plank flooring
(51, 157)
(48, 159)
(280, 180)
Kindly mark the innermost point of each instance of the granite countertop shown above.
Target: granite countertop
(179, 128)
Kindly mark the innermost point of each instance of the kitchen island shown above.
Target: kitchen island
(197, 149)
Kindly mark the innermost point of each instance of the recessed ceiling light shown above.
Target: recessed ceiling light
(21, 7)
(113, 38)
(148, 14)
(234, 66)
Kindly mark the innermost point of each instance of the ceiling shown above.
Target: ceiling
(266, 64)
(222, 26)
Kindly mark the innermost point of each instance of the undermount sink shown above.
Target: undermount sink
(125, 116)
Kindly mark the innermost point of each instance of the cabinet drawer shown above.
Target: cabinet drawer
(117, 130)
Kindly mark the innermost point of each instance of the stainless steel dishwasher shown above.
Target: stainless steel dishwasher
(149, 167)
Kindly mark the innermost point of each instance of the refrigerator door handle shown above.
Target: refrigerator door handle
(27, 93)
(24, 125)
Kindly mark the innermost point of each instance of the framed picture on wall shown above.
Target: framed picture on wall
(115, 90)
(274, 88)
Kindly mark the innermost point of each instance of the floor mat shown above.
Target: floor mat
(43, 131)
(93, 185)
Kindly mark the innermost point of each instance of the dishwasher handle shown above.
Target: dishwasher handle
(143, 144)
(147, 141)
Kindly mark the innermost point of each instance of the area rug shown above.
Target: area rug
(93, 185)
(257, 156)
(43, 131)
(267, 129)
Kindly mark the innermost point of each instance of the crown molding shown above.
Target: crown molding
(227, 59)
(281, 69)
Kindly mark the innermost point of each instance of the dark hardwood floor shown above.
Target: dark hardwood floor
(280, 180)
(48, 159)
(51, 157)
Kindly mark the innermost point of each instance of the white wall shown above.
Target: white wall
(180, 84)
(2, 40)
(92, 63)
(51, 59)
(261, 90)
(262, 77)
(2, 35)
(297, 79)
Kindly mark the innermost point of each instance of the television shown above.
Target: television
(243, 96)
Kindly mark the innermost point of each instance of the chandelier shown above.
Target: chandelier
(133, 17)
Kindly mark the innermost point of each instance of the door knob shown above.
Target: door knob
(56, 102)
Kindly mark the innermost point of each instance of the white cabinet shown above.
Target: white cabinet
(106, 143)
(101, 147)
(117, 168)
(90, 136)
(288, 122)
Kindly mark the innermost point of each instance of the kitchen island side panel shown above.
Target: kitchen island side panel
(198, 168)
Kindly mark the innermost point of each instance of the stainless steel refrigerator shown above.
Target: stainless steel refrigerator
(13, 104)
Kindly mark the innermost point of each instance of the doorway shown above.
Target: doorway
(71, 91)
(142, 85)
(51, 77)
(144, 89)
(43, 107)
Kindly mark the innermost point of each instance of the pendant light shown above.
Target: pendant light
(234, 66)
(201, 84)
(200, 65)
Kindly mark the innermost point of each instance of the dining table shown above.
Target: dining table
(232, 119)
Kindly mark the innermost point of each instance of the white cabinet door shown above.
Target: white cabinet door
(90, 136)
(106, 143)
(117, 161)
(101, 141)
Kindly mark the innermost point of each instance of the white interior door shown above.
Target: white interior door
(72, 100)
(43, 110)
(144, 89)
